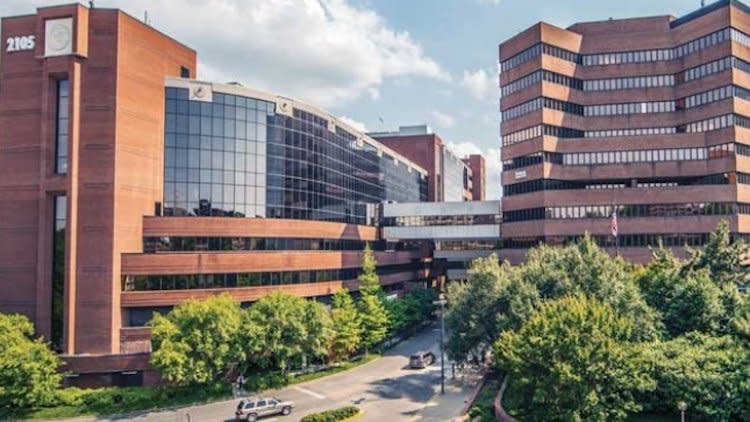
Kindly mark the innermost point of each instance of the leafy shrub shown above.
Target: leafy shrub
(332, 415)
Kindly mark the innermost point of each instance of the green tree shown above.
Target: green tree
(29, 374)
(687, 298)
(494, 299)
(722, 257)
(372, 311)
(572, 361)
(711, 374)
(347, 327)
(319, 327)
(585, 268)
(278, 333)
(198, 341)
(368, 278)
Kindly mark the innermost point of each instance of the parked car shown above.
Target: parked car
(421, 360)
(251, 409)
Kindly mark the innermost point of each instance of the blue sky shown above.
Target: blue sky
(405, 61)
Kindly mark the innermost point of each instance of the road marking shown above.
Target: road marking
(309, 393)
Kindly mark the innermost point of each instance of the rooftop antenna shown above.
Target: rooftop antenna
(145, 17)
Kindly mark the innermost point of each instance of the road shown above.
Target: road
(385, 389)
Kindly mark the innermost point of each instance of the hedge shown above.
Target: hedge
(332, 415)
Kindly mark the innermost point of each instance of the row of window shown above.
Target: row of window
(696, 100)
(624, 240)
(535, 51)
(553, 184)
(705, 125)
(539, 130)
(631, 82)
(626, 157)
(715, 123)
(626, 211)
(640, 131)
(466, 245)
(532, 159)
(653, 81)
(229, 280)
(200, 244)
(648, 155)
(538, 76)
(629, 108)
(625, 57)
(525, 55)
(441, 220)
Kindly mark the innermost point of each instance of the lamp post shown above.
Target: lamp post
(682, 406)
(441, 302)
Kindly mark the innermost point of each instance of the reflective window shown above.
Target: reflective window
(236, 157)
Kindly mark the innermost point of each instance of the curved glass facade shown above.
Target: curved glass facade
(235, 156)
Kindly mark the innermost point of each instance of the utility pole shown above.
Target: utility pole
(441, 302)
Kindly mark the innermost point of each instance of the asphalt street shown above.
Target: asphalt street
(385, 389)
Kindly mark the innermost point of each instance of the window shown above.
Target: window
(62, 126)
(184, 72)
(59, 226)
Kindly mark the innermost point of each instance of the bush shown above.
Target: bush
(332, 415)
(28, 368)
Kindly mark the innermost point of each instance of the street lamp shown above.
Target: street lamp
(442, 302)
(682, 406)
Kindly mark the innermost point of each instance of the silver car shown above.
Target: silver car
(251, 409)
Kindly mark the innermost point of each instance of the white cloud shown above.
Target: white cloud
(492, 163)
(327, 52)
(354, 123)
(481, 84)
(443, 120)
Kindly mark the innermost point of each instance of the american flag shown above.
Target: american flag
(613, 222)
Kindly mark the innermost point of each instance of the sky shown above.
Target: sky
(377, 64)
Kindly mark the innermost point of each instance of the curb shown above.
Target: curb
(473, 396)
(500, 414)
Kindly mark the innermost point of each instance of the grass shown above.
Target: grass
(113, 400)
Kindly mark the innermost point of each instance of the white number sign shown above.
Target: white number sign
(26, 42)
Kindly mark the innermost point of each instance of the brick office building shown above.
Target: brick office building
(449, 178)
(126, 188)
(649, 116)
(478, 176)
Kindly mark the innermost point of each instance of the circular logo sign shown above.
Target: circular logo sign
(59, 36)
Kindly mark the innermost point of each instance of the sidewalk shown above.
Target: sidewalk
(447, 407)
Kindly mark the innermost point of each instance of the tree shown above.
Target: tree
(282, 332)
(372, 311)
(583, 268)
(572, 361)
(686, 296)
(368, 278)
(493, 300)
(722, 257)
(711, 374)
(319, 327)
(198, 341)
(29, 374)
(347, 327)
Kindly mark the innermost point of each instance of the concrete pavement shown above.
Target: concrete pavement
(385, 389)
